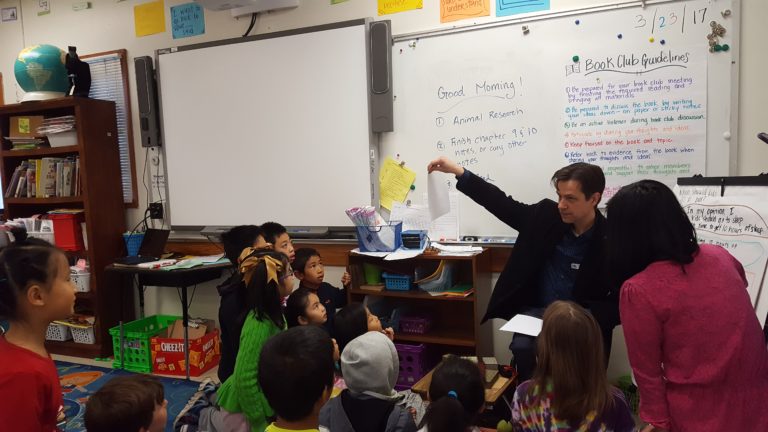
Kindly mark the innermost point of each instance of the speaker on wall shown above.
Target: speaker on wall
(147, 92)
(381, 76)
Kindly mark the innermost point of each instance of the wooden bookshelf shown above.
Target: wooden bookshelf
(101, 199)
(455, 320)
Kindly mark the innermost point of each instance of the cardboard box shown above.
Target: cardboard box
(168, 352)
(24, 126)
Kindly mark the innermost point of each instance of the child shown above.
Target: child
(569, 389)
(296, 374)
(232, 310)
(303, 308)
(370, 367)
(267, 280)
(309, 269)
(457, 396)
(132, 403)
(277, 235)
(354, 320)
(35, 289)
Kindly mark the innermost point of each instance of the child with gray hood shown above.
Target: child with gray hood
(370, 367)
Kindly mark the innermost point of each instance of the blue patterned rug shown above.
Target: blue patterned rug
(80, 381)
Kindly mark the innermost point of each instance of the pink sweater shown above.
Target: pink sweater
(696, 346)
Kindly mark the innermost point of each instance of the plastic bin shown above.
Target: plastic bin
(136, 342)
(63, 139)
(384, 238)
(83, 335)
(413, 364)
(67, 231)
(47, 236)
(396, 282)
(133, 242)
(57, 332)
(415, 324)
(82, 281)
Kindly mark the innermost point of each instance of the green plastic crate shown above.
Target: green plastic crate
(136, 342)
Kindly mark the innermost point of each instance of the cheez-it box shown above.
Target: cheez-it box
(168, 352)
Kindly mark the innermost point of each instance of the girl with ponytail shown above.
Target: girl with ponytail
(35, 289)
(456, 395)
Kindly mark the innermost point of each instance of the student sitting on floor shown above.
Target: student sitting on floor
(296, 375)
(569, 390)
(457, 396)
(278, 237)
(232, 310)
(354, 320)
(132, 403)
(370, 367)
(240, 400)
(35, 289)
(308, 268)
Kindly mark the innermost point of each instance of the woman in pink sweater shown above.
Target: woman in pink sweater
(694, 342)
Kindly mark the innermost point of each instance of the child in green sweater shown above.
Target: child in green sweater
(268, 278)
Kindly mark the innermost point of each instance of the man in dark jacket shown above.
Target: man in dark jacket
(558, 254)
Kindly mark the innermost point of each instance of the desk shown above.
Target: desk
(491, 394)
(180, 278)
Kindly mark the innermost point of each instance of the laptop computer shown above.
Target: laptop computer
(151, 249)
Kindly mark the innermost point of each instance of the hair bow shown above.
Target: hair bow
(249, 263)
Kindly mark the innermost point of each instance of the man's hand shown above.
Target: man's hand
(346, 279)
(443, 164)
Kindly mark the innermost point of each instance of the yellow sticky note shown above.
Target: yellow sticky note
(395, 6)
(454, 10)
(24, 125)
(149, 18)
(394, 183)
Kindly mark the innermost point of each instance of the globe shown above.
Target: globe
(40, 72)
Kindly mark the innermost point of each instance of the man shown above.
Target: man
(558, 254)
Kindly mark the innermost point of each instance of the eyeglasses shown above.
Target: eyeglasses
(287, 275)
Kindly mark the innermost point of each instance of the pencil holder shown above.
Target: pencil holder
(133, 242)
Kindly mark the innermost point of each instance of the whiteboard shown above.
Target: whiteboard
(268, 128)
(737, 220)
(634, 90)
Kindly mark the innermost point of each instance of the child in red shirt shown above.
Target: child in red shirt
(35, 289)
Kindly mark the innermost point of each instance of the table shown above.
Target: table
(179, 278)
(491, 394)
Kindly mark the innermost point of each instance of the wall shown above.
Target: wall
(108, 25)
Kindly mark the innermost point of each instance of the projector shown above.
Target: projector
(239, 8)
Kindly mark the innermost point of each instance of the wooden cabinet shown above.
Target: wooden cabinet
(100, 197)
(455, 321)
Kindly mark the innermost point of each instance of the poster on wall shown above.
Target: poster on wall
(8, 14)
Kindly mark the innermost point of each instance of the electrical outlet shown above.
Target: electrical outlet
(156, 210)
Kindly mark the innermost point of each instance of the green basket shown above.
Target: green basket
(629, 389)
(136, 342)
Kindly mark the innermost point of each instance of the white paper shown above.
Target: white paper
(446, 227)
(437, 195)
(372, 254)
(457, 249)
(403, 253)
(524, 324)
(414, 217)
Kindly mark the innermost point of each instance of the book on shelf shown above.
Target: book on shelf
(45, 178)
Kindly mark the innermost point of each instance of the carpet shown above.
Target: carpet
(78, 382)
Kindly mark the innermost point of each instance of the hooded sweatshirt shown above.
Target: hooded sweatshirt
(370, 367)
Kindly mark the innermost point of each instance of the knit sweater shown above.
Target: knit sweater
(241, 392)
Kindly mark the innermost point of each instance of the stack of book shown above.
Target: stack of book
(54, 125)
(26, 143)
(45, 178)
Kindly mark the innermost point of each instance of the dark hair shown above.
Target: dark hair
(570, 358)
(296, 306)
(302, 257)
(262, 296)
(590, 177)
(124, 404)
(295, 368)
(350, 322)
(22, 263)
(646, 224)
(271, 231)
(456, 395)
(237, 239)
